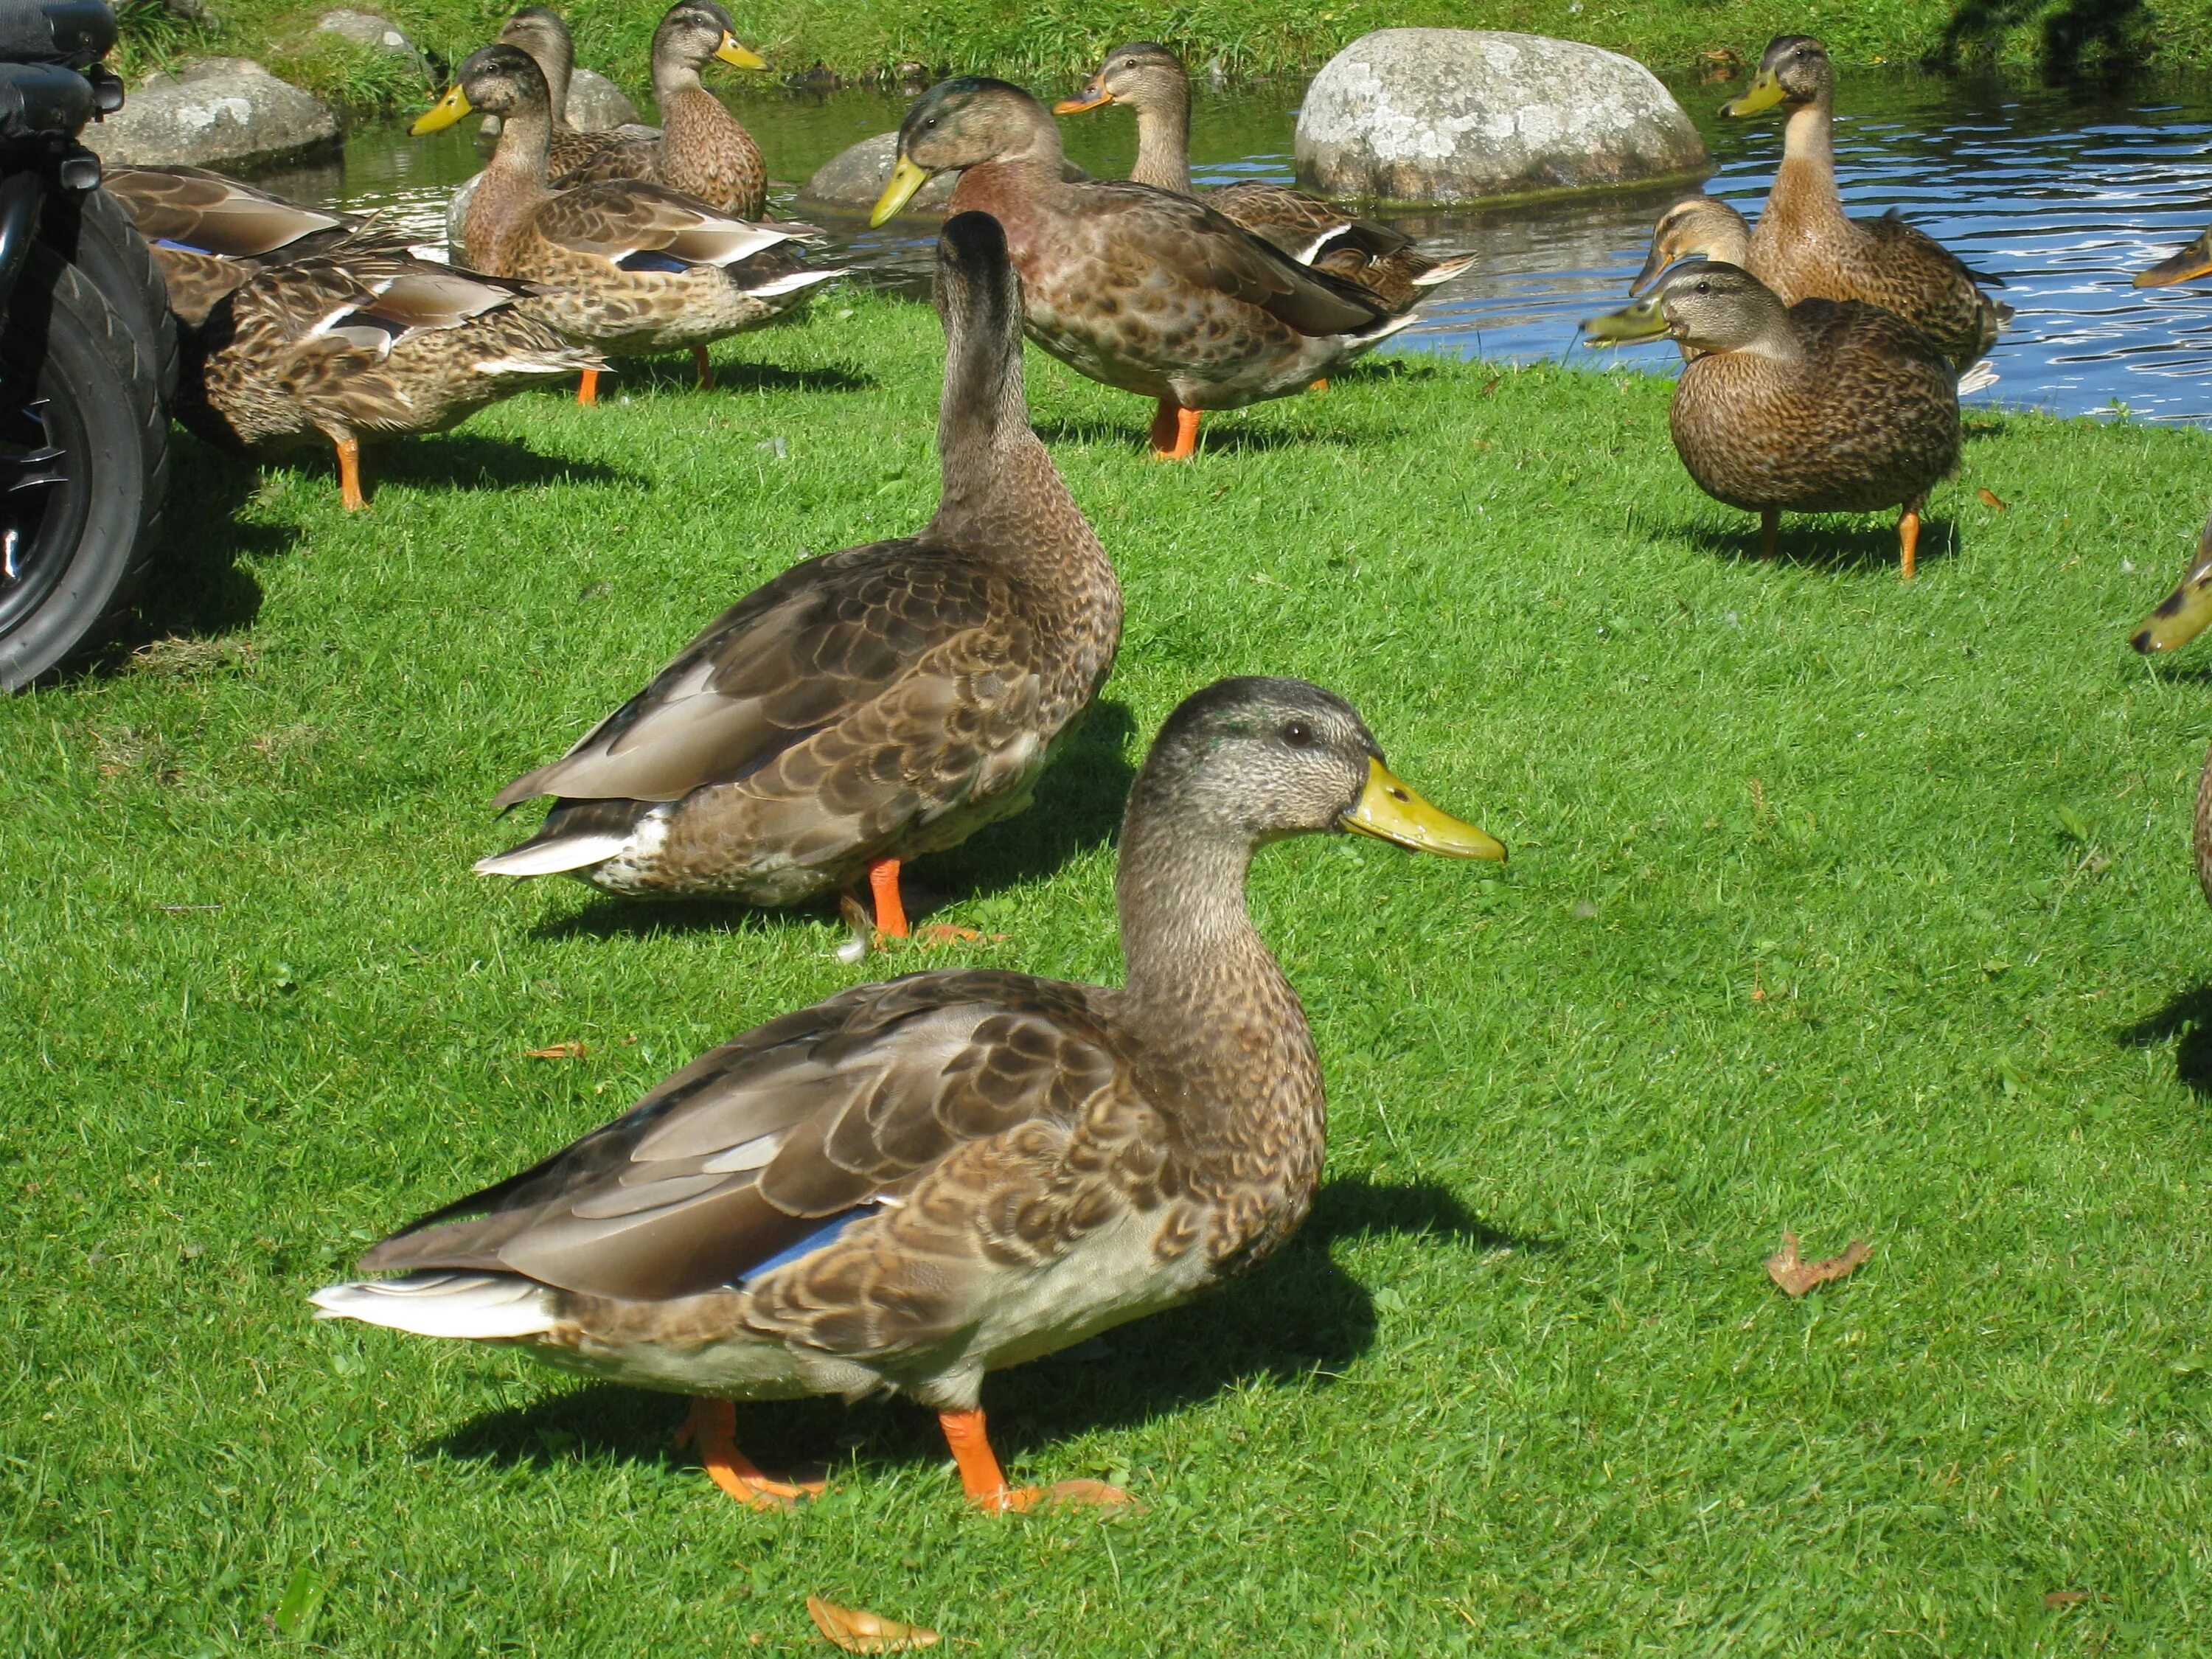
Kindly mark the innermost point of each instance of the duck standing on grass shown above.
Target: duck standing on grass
(627, 266)
(1151, 293)
(870, 705)
(1805, 247)
(915, 1183)
(1150, 81)
(1818, 407)
(2180, 618)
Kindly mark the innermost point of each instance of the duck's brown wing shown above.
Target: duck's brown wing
(767, 1148)
(1916, 277)
(211, 214)
(1300, 225)
(616, 218)
(885, 658)
(610, 158)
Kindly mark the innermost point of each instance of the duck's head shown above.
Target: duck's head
(963, 123)
(498, 80)
(1695, 228)
(2182, 615)
(1142, 75)
(1793, 71)
(692, 32)
(1257, 760)
(2192, 262)
(539, 31)
(1705, 304)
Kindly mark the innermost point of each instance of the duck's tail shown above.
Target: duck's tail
(1443, 270)
(482, 1307)
(1979, 377)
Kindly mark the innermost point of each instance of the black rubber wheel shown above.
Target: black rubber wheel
(90, 229)
(83, 464)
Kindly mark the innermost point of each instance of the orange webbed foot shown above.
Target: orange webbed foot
(985, 1482)
(712, 1425)
(890, 909)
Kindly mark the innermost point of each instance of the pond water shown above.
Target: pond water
(2062, 193)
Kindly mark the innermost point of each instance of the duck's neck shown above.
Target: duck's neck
(1163, 144)
(1805, 187)
(513, 178)
(1018, 187)
(559, 67)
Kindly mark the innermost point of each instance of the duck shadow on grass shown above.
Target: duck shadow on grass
(1221, 433)
(1299, 1318)
(2186, 1021)
(1838, 545)
(673, 374)
(463, 460)
(1077, 806)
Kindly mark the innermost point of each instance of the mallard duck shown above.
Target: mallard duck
(1150, 80)
(1804, 246)
(869, 706)
(703, 150)
(543, 34)
(366, 341)
(1150, 292)
(1824, 406)
(629, 266)
(918, 1183)
(1695, 228)
(2185, 266)
(2180, 618)
(209, 233)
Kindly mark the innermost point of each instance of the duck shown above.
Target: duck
(921, 1180)
(703, 150)
(870, 706)
(1823, 406)
(627, 266)
(2184, 267)
(543, 34)
(209, 233)
(1150, 80)
(2180, 618)
(1804, 246)
(366, 341)
(1138, 289)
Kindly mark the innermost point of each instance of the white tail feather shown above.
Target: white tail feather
(551, 858)
(537, 363)
(1977, 378)
(1445, 271)
(485, 1307)
(797, 279)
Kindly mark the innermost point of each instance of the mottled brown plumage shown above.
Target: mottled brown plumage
(915, 1183)
(626, 265)
(881, 703)
(1150, 80)
(541, 31)
(703, 150)
(209, 233)
(1805, 247)
(1136, 287)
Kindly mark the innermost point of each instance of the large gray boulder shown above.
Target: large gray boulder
(366, 28)
(852, 179)
(220, 110)
(597, 105)
(1456, 115)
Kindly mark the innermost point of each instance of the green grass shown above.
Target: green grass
(1836, 905)
(1053, 39)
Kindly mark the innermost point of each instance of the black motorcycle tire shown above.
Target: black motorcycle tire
(90, 229)
(84, 522)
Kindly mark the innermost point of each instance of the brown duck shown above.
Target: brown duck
(916, 1183)
(1150, 292)
(702, 150)
(542, 33)
(209, 233)
(2180, 618)
(1805, 247)
(870, 705)
(1818, 407)
(627, 266)
(1150, 81)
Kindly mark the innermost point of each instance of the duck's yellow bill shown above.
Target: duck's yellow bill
(738, 56)
(2183, 614)
(2192, 262)
(1641, 321)
(906, 179)
(1089, 98)
(442, 114)
(1766, 92)
(1388, 810)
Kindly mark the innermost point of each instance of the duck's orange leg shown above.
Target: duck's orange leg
(713, 1425)
(1908, 539)
(985, 1482)
(699, 362)
(1322, 385)
(1175, 431)
(883, 888)
(350, 475)
(587, 389)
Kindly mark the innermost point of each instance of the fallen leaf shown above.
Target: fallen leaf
(1798, 1277)
(2064, 1598)
(1989, 499)
(561, 1051)
(864, 1633)
(944, 932)
(1490, 386)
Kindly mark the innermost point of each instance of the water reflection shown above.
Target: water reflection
(2062, 193)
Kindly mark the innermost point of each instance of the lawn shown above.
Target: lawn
(1836, 905)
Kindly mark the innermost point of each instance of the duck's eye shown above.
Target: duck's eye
(1299, 735)
(1704, 288)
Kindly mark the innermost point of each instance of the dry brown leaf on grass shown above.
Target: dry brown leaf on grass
(1989, 499)
(2063, 1598)
(1798, 1277)
(561, 1051)
(864, 1633)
